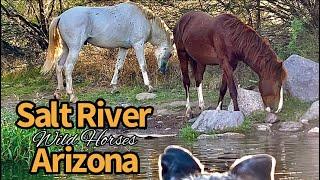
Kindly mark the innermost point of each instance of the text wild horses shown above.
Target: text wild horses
(121, 26)
(223, 40)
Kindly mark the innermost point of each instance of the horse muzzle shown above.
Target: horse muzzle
(162, 70)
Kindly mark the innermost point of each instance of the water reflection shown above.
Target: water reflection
(297, 156)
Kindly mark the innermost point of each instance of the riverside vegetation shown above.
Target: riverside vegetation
(22, 58)
(17, 143)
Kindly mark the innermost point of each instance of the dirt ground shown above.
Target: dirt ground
(168, 119)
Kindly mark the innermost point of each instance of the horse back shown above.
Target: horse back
(111, 26)
(201, 36)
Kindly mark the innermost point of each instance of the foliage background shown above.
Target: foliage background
(290, 26)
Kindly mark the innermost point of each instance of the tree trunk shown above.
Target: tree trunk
(258, 16)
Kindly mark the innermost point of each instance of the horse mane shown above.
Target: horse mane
(152, 17)
(254, 49)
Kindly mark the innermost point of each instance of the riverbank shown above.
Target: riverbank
(168, 118)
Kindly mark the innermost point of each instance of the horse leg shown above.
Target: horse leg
(198, 74)
(223, 90)
(223, 87)
(139, 49)
(120, 61)
(59, 68)
(68, 68)
(183, 58)
(228, 71)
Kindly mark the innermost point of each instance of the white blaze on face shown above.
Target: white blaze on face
(280, 101)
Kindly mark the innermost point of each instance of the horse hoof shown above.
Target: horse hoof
(56, 95)
(219, 107)
(189, 113)
(114, 90)
(202, 107)
(151, 89)
(73, 98)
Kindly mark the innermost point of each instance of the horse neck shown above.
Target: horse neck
(262, 62)
(158, 35)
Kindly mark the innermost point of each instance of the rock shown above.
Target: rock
(210, 120)
(145, 96)
(206, 136)
(290, 126)
(231, 134)
(180, 117)
(248, 101)
(163, 112)
(177, 104)
(304, 121)
(263, 127)
(124, 104)
(312, 113)
(271, 118)
(224, 135)
(293, 136)
(314, 130)
(303, 78)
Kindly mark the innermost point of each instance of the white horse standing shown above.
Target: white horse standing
(121, 26)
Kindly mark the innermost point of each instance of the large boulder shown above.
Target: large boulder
(312, 113)
(303, 78)
(248, 102)
(210, 120)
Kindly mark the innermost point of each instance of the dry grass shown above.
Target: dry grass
(97, 65)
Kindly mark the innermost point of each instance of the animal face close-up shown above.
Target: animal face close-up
(178, 163)
(272, 95)
(163, 55)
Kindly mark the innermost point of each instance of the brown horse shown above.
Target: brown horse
(224, 40)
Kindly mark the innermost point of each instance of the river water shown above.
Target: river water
(297, 156)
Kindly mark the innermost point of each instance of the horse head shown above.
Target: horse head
(271, 89)
(163, 54)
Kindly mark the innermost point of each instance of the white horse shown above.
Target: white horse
(121, 26)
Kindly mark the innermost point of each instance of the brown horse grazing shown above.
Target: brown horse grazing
(224, 40)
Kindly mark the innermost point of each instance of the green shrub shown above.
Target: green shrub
(303, 41)
(16, 143)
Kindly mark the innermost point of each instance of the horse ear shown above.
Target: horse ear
(256, 167)
(178, 163)
(280, 66)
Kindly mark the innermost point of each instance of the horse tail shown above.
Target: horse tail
(54, 48)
